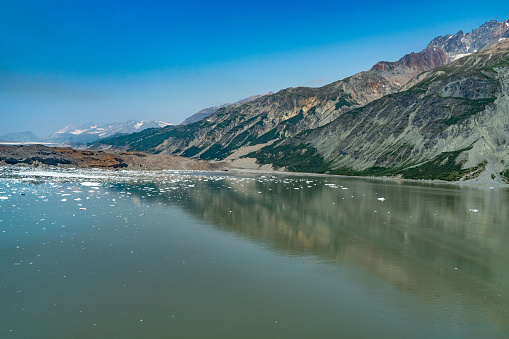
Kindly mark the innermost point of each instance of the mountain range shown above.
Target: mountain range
(441, 113)
(90, 132)
(27, 136)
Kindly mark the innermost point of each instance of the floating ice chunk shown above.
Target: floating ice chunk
(4, 198)
(64, 199)
(473, 210)
(89, 183)
(381, 199)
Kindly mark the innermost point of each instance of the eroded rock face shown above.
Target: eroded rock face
(455, 117)
(275, 117)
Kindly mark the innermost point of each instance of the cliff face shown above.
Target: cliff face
(449, 123)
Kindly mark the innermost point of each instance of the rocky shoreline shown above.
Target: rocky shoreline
(65, 157)
(40, 155)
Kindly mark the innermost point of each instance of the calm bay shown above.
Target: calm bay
(90, 253)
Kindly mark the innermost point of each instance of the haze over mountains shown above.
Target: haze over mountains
(208, 111)
(26, 136)
(85, 133)
(445, 104)
(91, 131)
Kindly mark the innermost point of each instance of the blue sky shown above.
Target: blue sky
(64, 62)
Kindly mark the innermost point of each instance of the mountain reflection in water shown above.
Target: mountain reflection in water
(432, 241)
(102, 254)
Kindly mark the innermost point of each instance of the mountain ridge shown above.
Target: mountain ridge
(291, 115)
(91, 131)
(460, 44)
(453, 125)
(26, 136)
(202, 114)
(269, 111)
(85, 133)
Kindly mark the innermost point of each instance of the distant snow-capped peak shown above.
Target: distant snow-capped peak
(67, 129)
(140, 124)
(94, 131)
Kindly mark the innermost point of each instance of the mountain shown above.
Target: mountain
(20, 137)
(91, 132)
(250, 125)
(208, 111)
(202, 114)
(459, 44)
(450, 123)
(355, 125)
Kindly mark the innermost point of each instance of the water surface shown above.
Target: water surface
(164, 254)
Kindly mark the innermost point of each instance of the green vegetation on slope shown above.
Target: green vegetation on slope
(305, 158)
(295, 158)
(345, 100)
(443, 167)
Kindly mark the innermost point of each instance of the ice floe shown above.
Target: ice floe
(88, 183)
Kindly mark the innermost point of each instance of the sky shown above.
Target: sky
(73, 62)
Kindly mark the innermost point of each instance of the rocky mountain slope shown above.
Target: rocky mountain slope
(277, 116)
(450, 123)
(460, 44)
(208, 111)
(355, 125)
(202, 114)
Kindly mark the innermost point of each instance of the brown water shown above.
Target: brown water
(192, 256)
